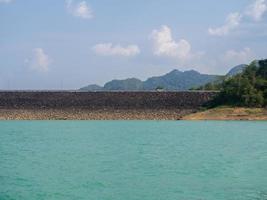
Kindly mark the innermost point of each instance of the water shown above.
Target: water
(133, 160)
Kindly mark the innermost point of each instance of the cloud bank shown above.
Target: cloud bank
(79, 9)
(243, 56)
(6, 1)
(40, 61)
(108, 49)
(232, 21)
(165, 45)
(255, 12)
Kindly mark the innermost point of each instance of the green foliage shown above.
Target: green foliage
(246, 89)
(262, 71)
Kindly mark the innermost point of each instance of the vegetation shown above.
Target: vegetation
(248, 88)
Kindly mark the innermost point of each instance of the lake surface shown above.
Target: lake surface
(133, 160)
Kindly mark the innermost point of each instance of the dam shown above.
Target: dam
(104, 100)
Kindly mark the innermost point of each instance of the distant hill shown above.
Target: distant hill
(237, 70)
(93, 87)
(173, 81)
(177, 80)
(131, 84)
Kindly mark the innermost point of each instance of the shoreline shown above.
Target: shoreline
(229, 114)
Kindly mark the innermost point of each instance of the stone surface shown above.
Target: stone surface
(90, 114)
(102, 100)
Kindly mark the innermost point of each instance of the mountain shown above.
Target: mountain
(177, 80)
(236, 70)
(131, 84)
(93, 87)
(173, 81)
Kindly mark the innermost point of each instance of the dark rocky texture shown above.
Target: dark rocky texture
(96, 114)
(105, 100)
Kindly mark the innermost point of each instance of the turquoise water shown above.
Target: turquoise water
(133, 160)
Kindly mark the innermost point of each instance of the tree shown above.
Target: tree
(246, 89)
(262, 71)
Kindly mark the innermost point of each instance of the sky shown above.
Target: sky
(68, 44)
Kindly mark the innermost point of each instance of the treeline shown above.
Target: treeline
(248, 88)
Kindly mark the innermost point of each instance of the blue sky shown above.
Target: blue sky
(48, 44)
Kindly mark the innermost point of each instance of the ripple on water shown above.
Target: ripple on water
(133, 160)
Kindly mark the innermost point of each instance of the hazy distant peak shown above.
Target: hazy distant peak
(173, 81)
(175, 71)
(236, 70)
(192, 72)
(92, 87)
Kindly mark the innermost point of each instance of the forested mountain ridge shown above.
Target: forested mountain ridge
(173, 81)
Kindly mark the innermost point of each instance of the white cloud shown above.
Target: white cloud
(79, 9)
(165, 45)
(108, 49)
(232, 21)
(257, 9)
(40, 61)
(6, 1)
(238, 57)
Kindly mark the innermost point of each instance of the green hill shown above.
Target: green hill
(177, 80)
(93, 87)
(131, 84)
(173, 81)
